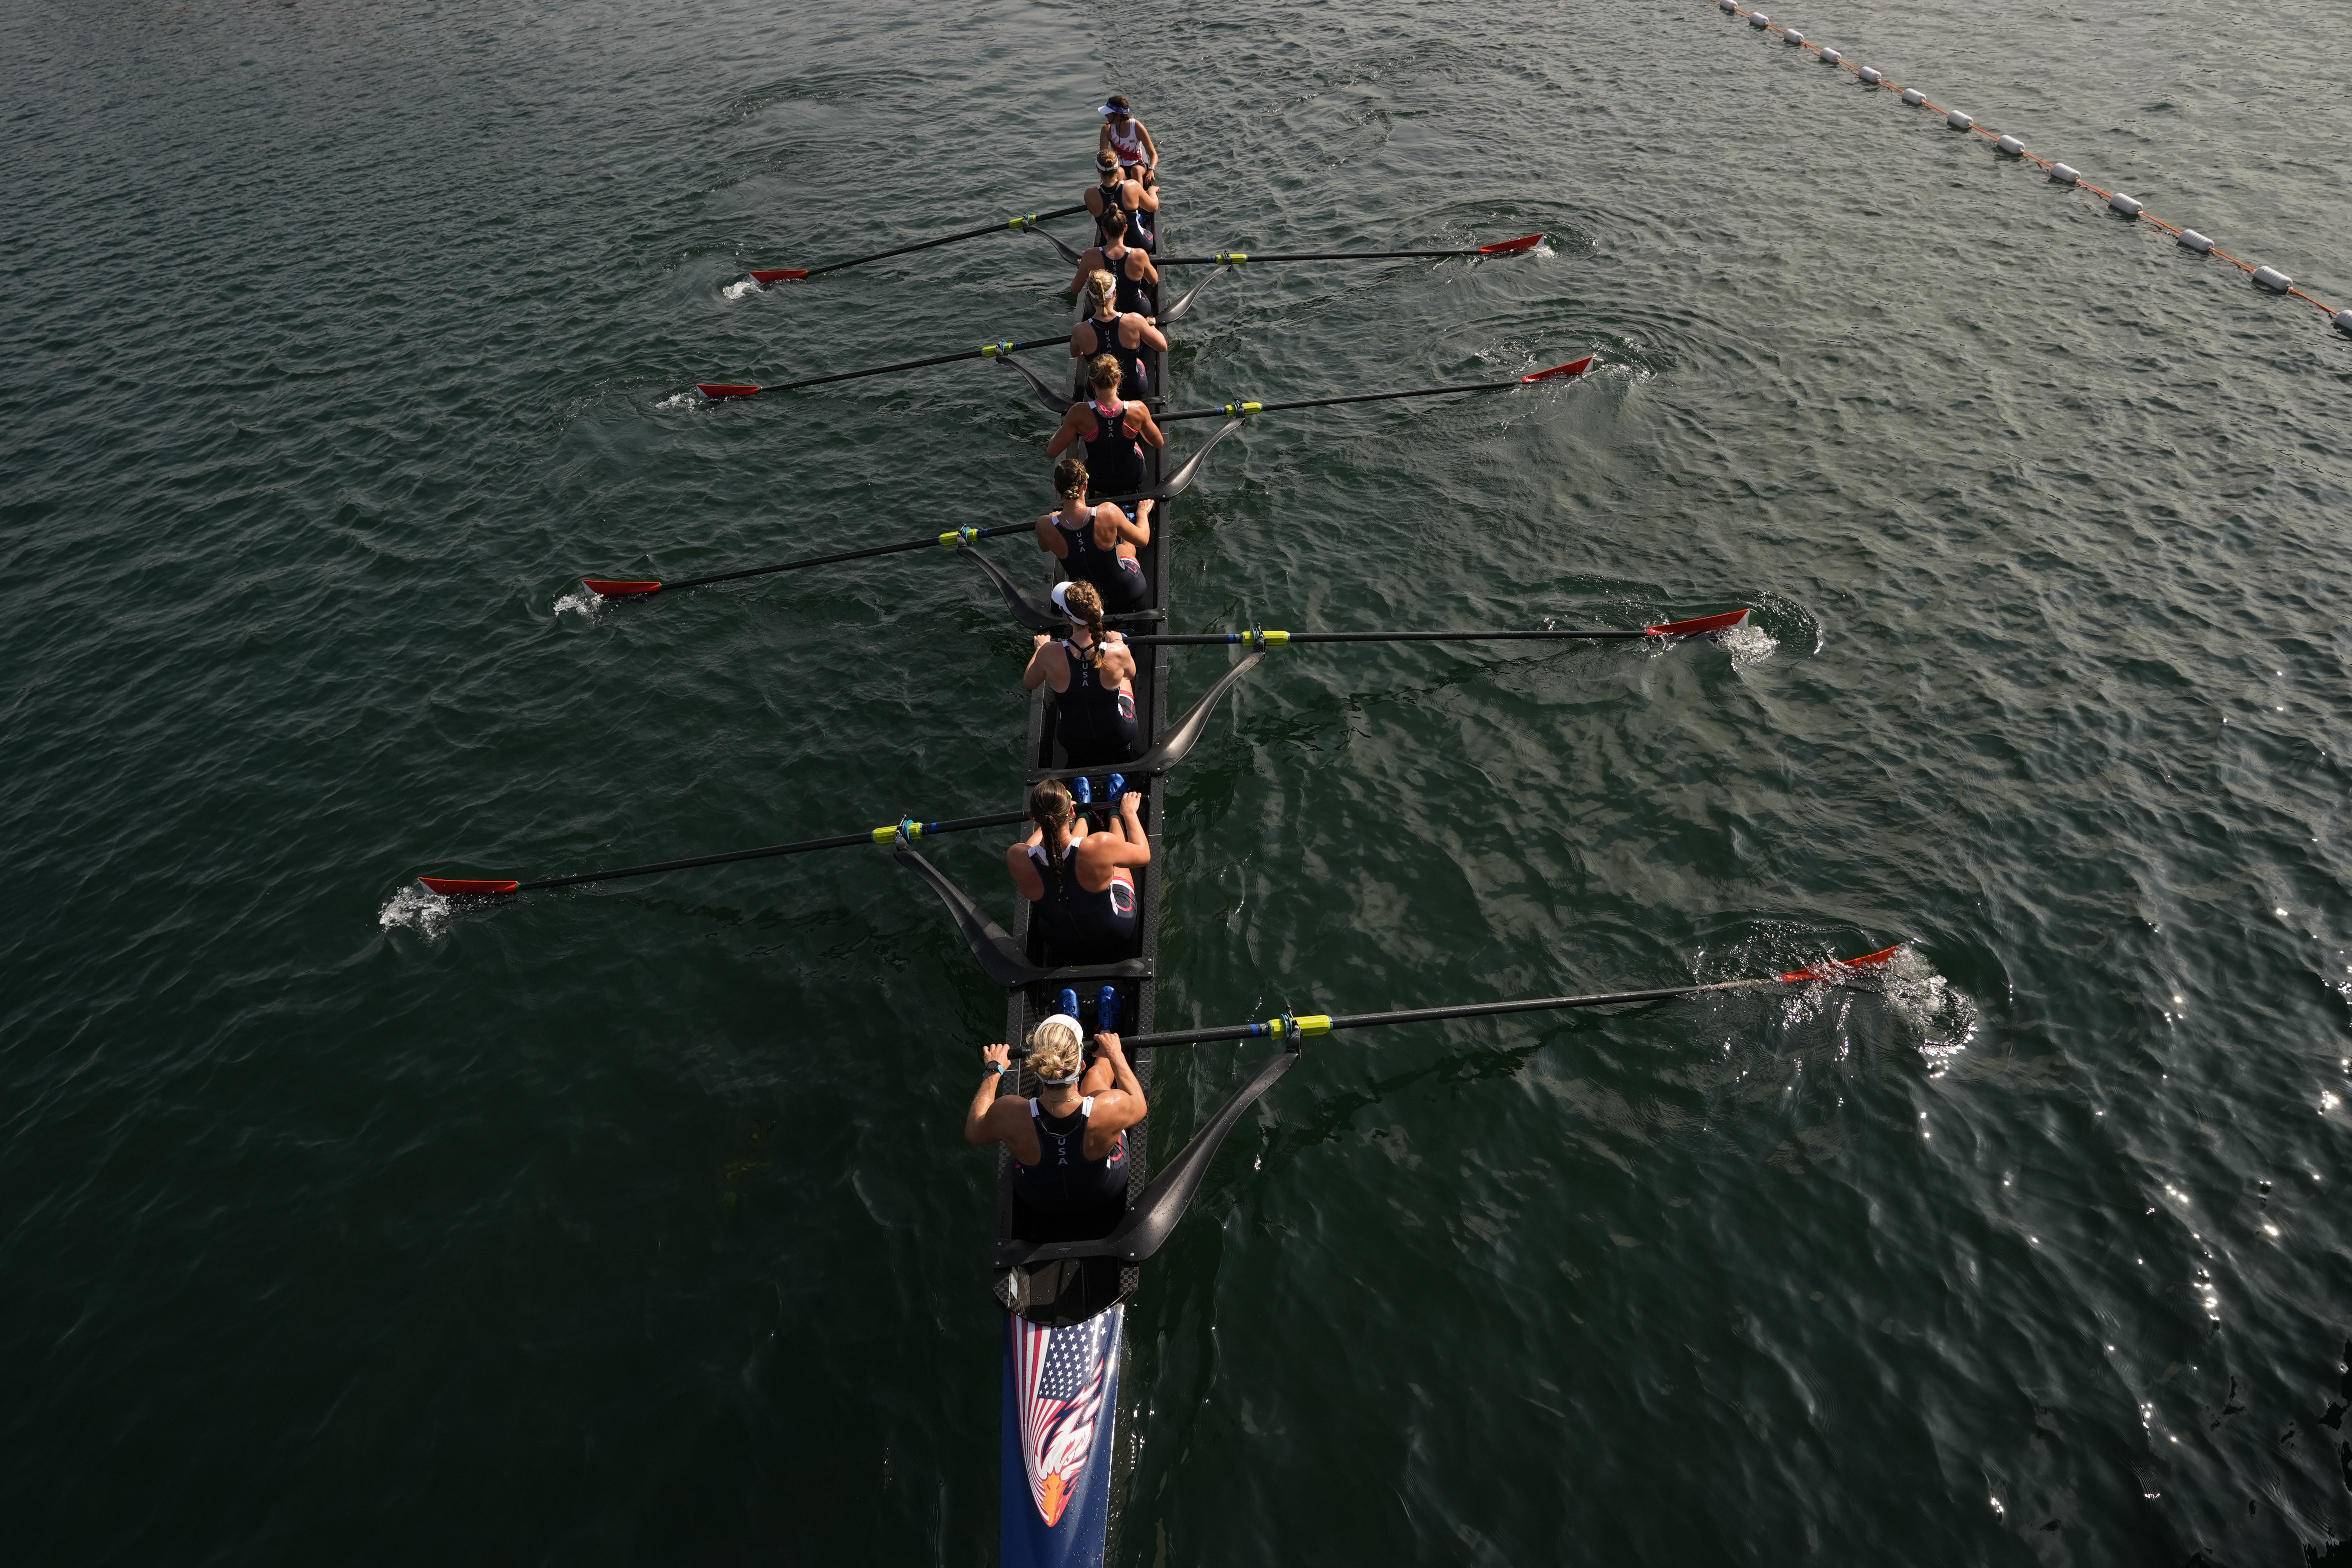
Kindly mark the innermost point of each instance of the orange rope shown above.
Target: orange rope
(1926, 102)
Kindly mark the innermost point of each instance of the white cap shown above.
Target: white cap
(1061, 601)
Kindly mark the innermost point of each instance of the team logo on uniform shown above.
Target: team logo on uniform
(1062, 1375)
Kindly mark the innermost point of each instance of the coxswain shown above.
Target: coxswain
(1114, 189)
(1092, 672)
(1130, 265)
(1070, 1144)
(1080, 883)
(1126, 139)
(1122, 334)
(1095, 542)
(1115, 430)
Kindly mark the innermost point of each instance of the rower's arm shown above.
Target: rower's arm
(1152, 337)
(1131, 532)
(1023, 870)
(1131, 1107)
(1149, 201)
(976, 1128)
(1041, 657)
(1113, 849)
(1067, 433)
(1148, 432)
(1150, 147)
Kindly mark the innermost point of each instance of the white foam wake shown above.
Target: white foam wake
(425, 913)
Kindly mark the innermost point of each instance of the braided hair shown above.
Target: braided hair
(1084, 601)
(1050, 809)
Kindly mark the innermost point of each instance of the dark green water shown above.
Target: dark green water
(633, 1225)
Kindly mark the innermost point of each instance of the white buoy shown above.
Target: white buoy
(2344, 321)
(1868, 78)
(1914, 97)
(2272, 278)
(2010, 146)
(1957, 121)
(2128, 206)
(1829, 56)
(1727, 6)
(2192, 240)
(1792, 36)
(1757, 19)
(2064, 173)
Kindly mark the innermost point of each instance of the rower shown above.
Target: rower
(1080, 884)
(1070, 1144)
(1139, 279)
(1123, 335)
(1095, 542)
(1092, 672)
(1115, 430)
(1114, 189)
(1125, 137)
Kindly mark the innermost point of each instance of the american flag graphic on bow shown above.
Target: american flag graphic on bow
(1060, 1373)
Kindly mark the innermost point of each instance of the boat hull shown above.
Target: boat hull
(1082, 1298)
(1061, 1401)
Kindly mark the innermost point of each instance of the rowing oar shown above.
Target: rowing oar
(1225, 260)
(1243, 410)
(1255, 638)
(461, 886)
(1153, 1216)
(618, 588)
(1242, 258)
(719, 392)
(794, 274)
(1179, 738)
(1832, 970)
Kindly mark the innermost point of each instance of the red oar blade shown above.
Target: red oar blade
(778, 274)
(1697, 629)
(1832, 969)
(718, 394)
(463, 888)
(1573, 367)
(1507, 247)
(612, 589)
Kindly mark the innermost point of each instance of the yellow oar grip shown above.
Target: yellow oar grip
(1233, 258)
(890, 834)
(1308, 1023)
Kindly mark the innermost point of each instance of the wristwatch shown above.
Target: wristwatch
(996, 1067)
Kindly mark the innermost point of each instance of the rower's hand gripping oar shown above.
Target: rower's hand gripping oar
(724, 392)
(1000, 958)
(1153, 1217)
(1027, 223)
(478, 887)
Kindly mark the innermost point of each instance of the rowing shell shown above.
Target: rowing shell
(1065, 1344)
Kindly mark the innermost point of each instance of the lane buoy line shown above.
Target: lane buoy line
(2269, 277)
